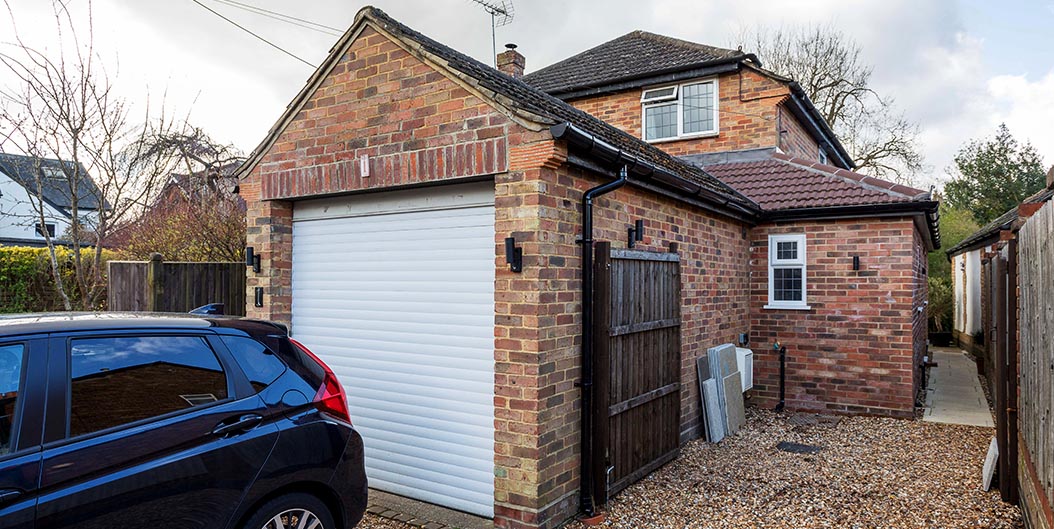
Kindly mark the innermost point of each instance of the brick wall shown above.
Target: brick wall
(748, 116)
(920, 299)
(794, 140)
(415, 126)
(539, 317)
(853, 351)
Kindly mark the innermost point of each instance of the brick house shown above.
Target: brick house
(381, 201)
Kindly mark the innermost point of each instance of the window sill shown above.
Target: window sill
(683, 138)
(787, 307)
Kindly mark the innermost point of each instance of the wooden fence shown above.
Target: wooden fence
(157, 286)
(1036, 327)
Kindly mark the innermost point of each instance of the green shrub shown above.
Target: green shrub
(27, 283)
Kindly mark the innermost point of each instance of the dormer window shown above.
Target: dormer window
(680, 111)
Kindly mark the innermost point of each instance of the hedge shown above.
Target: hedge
(27, 284)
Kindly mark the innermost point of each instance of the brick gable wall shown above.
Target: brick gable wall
(853, 351)
(749, 113)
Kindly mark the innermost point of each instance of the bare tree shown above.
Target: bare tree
(827, 65)
(64, 108)
(198, 216)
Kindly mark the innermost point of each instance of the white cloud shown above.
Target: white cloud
(1027, 108)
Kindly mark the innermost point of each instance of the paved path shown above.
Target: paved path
(954, 393)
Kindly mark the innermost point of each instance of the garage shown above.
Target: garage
(395, 291)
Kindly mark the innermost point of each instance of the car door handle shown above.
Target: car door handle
(239, 425)
(9, 495)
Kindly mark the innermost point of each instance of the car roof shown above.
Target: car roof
(52, 322)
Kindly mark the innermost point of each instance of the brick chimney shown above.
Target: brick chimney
(510, 62)
(1050, 173)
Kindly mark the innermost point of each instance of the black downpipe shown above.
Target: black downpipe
(586, 503)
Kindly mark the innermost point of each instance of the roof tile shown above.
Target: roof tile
(632, 55)
(784, 182)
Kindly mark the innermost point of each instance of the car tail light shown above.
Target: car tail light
(330, 397)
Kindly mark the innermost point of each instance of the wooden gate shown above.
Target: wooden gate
(637, 365)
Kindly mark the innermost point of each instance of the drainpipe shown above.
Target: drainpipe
(586, 503)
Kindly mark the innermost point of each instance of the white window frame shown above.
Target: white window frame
(678, 91)
(822, 157)
(800, 262)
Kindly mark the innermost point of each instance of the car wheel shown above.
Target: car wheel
(292, 511)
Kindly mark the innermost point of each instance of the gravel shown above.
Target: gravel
(872, 472)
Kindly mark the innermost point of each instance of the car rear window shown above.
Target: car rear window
(11, 361)
(120, 380)
(258, 362)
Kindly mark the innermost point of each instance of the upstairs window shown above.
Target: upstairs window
(823, 157)
(46, 229)
(680, 111)
(787, 268)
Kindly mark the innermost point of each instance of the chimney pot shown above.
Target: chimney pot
(511, 62)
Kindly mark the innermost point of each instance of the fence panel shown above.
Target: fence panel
(1036, 326)
(157, 286)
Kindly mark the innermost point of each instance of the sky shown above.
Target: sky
(958, 68)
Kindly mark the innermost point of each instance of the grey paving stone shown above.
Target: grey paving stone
(714, 415)
(735, 412)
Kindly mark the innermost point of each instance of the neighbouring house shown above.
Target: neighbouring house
(384, 199)
(34, 188)
(969, 277)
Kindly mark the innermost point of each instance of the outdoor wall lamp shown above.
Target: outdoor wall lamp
(253, 260)
(513, 255)
(635, 234)
(258, 297)
(856, 262)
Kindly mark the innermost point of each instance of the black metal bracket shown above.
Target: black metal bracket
(513, 255)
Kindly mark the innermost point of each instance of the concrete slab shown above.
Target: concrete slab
(954, 394)
(735, 413)
(409, 510)
(714, 416)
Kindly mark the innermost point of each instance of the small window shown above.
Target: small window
(787, 272)
(678, 111)
(121, 380)
(260, 365)
(659, 94)
(823, 157)
(11, 361)
(46, 230)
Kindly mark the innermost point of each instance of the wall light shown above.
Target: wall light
(635, 234)
(258, 297)
(252, 259)
(513, 255)
(856, 262)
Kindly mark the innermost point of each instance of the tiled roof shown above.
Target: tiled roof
(56, 190)
(784, 182)
(512, 93)
(1003, 222)
(632, 55)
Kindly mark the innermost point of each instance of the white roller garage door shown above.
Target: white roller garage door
(395, 291)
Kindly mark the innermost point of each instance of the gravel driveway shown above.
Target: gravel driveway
(871, 473)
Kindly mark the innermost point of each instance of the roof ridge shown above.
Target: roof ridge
(867, 181)
(685, 43)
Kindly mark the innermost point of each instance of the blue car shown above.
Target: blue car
(170, 421)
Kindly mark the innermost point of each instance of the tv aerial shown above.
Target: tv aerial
(501, 13)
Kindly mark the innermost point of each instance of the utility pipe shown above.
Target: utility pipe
(586, 502)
